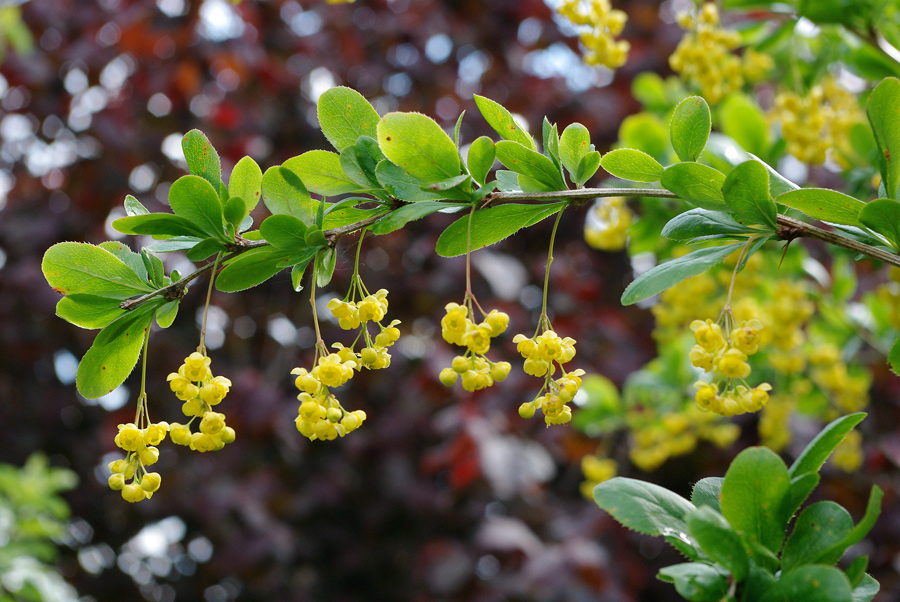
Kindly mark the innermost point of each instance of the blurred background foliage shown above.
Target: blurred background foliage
(441, 496)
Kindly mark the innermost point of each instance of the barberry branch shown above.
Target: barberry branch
(788, 229)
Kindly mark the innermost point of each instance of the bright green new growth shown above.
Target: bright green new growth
(734, 529)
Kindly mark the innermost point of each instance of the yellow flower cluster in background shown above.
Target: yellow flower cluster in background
(598, 24)
(705, 55)
(818, 121)
(607, 223)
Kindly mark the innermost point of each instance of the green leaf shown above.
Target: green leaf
(746, 192)
(817, 451)
(109, 361)
(134, 206)
(205, 248)
(325, 262)
(88, 311)
(175, 243)
(400, 217)
(706, 493)
(696, 581)
(202, 159)
(530, 164)
(856, 570)
(344, 116)
(778, 184)
(480, 158)
(249, 269)
(165, 315)
(284, 231)
(691, 124)
(551, 142)
(283, 197)
(194, 199)
(698, 223)
(719, 541)
(314, 237)
(246, 183)
(491, 225)
(810, 584)
(883, 216)
(154, 267)
(866, 590)
(818, 527)
(755, 497)
(801, 488)
(73, 268)
(128, 257)
(158, 224)
(587, 167)
(883, 110)
(503, 123)
(359, 161)
(321, 173)
(574, 145)
(630, 164)
(742, 120)
(645, 507)
(862, 528)
(697, 184)
(401, 185)
(667, 275)
(458, 188)
(297, 271)
(825, 205)
(344, 216)
(233, 212)
(417, 144)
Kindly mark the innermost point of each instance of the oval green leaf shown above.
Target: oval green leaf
(631, 164)
(574, 144)
(417, 144)
(746, 192)
(321, 173)
(246, 183)
(540, 171)
(195, 199)
(691, 124)
(491, 225)
(480, 158)
(202, 158)
(344, 116)
(667, 275)
(884, 116)
(110, 360)
(825, 205)
(883, 216)
(755, 497)
(503, 123)
(73, 268)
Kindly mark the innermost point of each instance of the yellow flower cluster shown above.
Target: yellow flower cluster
(788, 313)
(725, 352)
(474, 368)
(850, 393)
(819, 121)
(607, 223)
(596, 470)
(848, 455)
(140, 443)
(598, 24)
(756, 65)
(704, 55)
(774, 421)
(195, 385)
(542, 354)
(675, 434)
